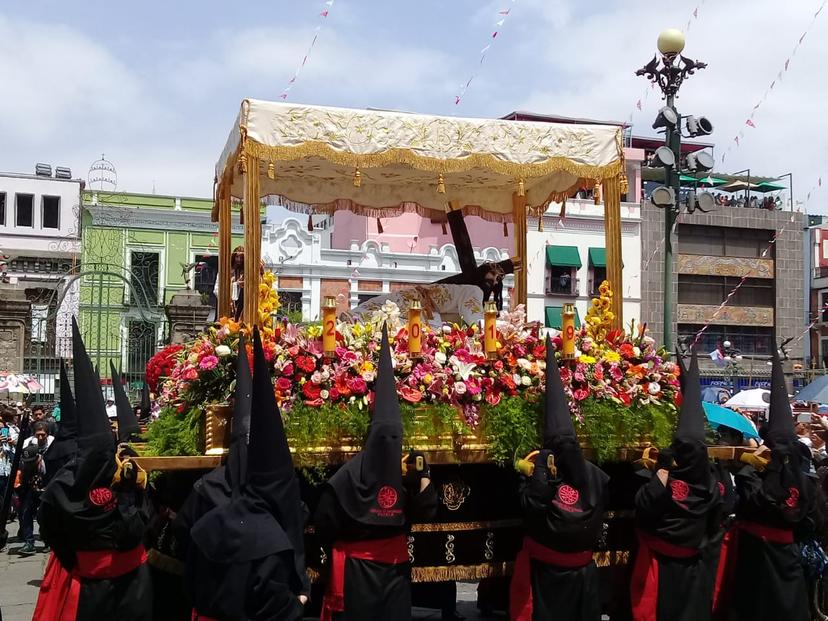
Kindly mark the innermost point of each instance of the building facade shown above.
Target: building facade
(40, 241)
(712, 254)
(136, 251)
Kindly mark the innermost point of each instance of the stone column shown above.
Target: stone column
(187, 315)
(15, 311)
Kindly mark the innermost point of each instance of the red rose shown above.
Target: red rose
(306, 364)
(357, 385)
(283, 385)
(492, 398)
(287, 370)
(412, 395)
(539, 351)
(334, 393)
(311, 390)
(580, 394)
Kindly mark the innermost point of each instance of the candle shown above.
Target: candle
(490, 329)
(415, 329)
(568, 331)
(329, 326)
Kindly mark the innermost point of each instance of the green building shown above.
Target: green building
(135, 249)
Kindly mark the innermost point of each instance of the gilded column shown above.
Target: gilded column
(252, 241)
(612, 232)
(225, 231)
(519, 218)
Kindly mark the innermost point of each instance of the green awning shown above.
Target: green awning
(563, 256)
(553, 317)
(769, 186)
(598, 257)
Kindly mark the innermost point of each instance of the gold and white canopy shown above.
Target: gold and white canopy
(380, 163)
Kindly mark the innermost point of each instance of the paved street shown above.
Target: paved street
(19, 579)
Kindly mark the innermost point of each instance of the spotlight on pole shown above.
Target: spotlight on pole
(700, 161)
(663, 156)
(663, 197)
(667, 117)
(701, 201)
(699, 126)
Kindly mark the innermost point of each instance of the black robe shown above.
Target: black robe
(768, 579)
(373, 590)
(564, 519)
(680, 515)
(721, 520)
(70, 525)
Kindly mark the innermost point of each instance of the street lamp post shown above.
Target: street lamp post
(668, 73)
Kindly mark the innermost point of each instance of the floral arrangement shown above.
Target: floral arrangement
(615, 369)
(161, 365)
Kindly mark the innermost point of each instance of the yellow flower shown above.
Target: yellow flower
(367, 367)
(612, 356)
(586, 359)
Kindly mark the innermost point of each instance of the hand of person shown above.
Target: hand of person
(541, 471)
(756, 458)
(648, 458)
(416, 467)
(303, 599)
(819, 423)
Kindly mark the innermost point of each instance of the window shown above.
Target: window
(51, 212)
(25, 210)
(824, 306)
(717, 241)
(291, 302)
(561, 280)
(140, 347)
(40, 315)
(206, 273)
(144, 272)
(2, 208)
(712, 290)
(824, 350)
(750, 340)
(364, 297)
(598, 275)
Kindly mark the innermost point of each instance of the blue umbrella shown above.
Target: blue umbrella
(718, 415)
(816, 391)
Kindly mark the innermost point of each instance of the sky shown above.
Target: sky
(156, 86)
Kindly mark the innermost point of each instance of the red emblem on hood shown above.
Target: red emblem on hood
(679, 489)
(568, 495)
(793, 498)
(721, 488)
(102, 497)
(387, 497)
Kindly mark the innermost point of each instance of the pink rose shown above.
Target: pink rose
(208, 363)
(357, 385)
(190, 373)
(283, 384)
(288, 369)
(580, 394)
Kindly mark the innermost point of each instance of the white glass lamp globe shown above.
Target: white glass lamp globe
(671, 41)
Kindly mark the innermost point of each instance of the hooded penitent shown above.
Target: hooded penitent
(146, 405)
(127, 423)
(369, 487)
(689, 448)
(264, 515)
(65, 444)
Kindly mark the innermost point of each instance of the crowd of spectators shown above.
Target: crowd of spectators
(770, 203)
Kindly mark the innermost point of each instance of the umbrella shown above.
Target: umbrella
(738, 186)
(712, 181)
(18, 383)
(769, 186)
(815, 392)
(752, 399)
(718, 416)
(713, 394)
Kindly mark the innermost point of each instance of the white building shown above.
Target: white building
(310, 270)
(567, 260)
(39, 236)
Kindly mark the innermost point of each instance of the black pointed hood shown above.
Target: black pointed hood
(558, 417)
(146, 404)
(691, 417)
(369, 487)
(93, 425)
(127, 423)
(682, 376)
(65, 445)
(780, 417)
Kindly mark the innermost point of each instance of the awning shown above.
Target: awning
(563, 256)
(553, 317)
(380, 163)
(598, 257)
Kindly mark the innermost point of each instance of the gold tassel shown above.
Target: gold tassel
(563, 209)
(596, 192)
(271, 171)
(441, 184)
(310, 223)
(505, 230)
(625, 186)
(521, 191)
(379, 227)
(357, 178)
(243, 164)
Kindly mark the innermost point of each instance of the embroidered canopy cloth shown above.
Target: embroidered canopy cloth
(381, 163)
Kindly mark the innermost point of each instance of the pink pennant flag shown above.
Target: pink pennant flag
(456, 100)
(504, 12)
(750, 123)
(324, 13)
(292, 80)
(638, 104)
(494, 35)
(696, 12)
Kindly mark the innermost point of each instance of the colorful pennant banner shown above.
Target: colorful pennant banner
(323, 15)
(502, 16)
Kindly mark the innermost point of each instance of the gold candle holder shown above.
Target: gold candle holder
(329, 326)
(415, 329)
(490, 329)
(568, 331)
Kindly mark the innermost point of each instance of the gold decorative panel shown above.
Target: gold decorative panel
(725, 266)
(729, 315)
